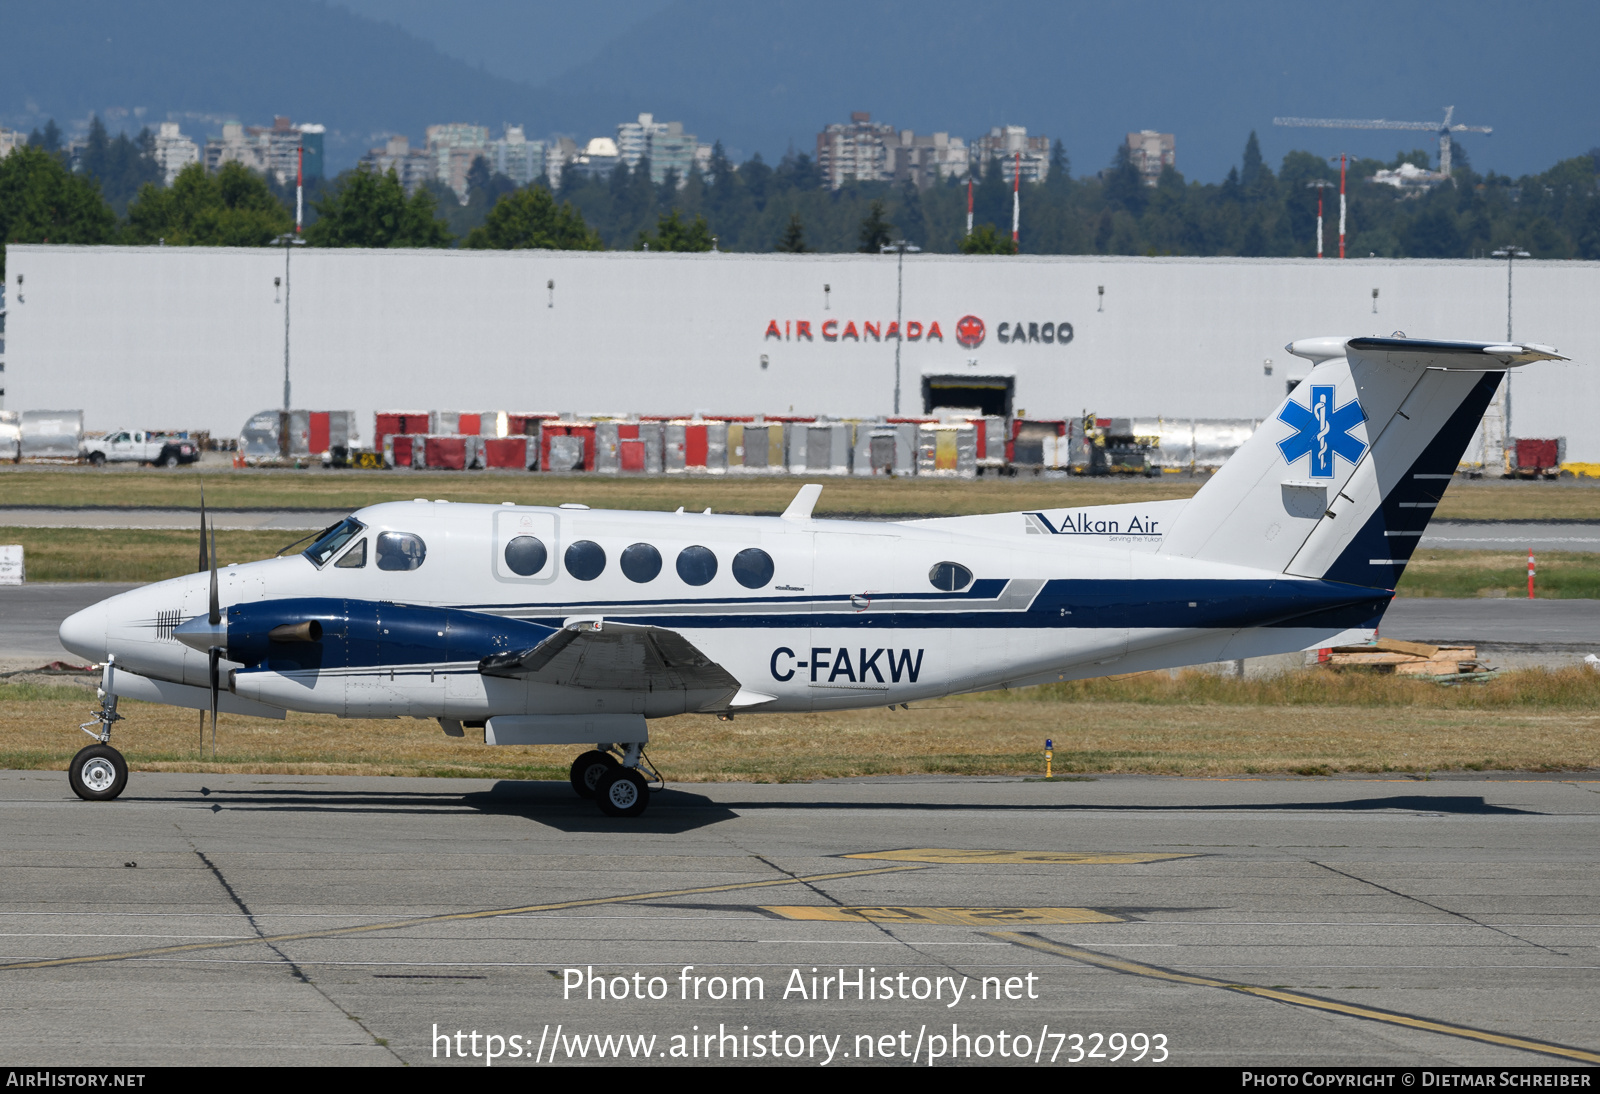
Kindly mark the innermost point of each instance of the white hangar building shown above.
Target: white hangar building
(175, 338)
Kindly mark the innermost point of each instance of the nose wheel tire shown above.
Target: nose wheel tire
(98, 773)
(623, 793)
(589, 769)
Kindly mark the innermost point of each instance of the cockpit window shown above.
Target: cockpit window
(354, 558)
(331, 540)
(400, 551)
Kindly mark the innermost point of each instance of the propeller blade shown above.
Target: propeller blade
(215, 615)
(216, 655)
(205, 562)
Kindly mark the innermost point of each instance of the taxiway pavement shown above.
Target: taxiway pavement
(268, 920)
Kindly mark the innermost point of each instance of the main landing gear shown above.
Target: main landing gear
(98, 773)
(619, 786)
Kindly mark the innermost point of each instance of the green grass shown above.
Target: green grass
(1562, 575)
(265, 488)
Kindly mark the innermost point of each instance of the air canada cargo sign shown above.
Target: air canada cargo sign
(968, 331)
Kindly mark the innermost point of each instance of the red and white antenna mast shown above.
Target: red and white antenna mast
(969, 202)
(299, 187)
(1016, 199)
(1341, 204)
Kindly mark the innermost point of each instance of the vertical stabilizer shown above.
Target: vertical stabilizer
(1340, 482)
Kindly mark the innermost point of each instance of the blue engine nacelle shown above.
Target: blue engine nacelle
(318, 632)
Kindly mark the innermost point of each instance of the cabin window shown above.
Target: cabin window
(586, 560)
(354, 558)
(697, 565)
(752, 568)
(526, 555)
(330, 541)
(641, 562)
(400, 551)
(949, 577)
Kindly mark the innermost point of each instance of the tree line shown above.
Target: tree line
(116, 195)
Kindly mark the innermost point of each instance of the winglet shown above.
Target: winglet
(805, 501)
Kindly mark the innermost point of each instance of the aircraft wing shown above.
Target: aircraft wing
(597, 653)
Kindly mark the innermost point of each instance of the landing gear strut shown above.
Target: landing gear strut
(98, 773)
(619, 786)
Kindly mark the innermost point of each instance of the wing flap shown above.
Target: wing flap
(611, 656)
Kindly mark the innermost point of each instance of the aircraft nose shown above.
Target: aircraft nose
(84, 632)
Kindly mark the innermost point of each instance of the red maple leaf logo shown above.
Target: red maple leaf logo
(969, 331)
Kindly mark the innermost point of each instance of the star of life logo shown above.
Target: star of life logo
(1322, 431)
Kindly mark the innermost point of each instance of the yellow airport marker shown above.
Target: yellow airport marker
(1049, 753)
(950, 917)
(1057, 858)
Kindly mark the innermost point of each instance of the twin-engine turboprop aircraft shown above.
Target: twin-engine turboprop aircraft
(571, 625)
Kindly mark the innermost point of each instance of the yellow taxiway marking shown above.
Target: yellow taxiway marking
(1135, 968)
(954, 917)
(1065, 858)
(336, 932)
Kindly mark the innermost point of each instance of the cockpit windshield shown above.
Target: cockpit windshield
(330, 540)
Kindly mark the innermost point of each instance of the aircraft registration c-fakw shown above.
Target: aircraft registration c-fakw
(575, 626)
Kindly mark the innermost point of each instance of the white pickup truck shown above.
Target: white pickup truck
(140, 446)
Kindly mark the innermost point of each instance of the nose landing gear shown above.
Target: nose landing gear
(99, 773)
(619, 786)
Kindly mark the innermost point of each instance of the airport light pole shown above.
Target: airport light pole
(288, 241)
(900, 247)
(1510, 252)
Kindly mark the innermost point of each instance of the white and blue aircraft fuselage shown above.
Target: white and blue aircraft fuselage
(571, 625)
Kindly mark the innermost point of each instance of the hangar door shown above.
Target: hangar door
(990, 395)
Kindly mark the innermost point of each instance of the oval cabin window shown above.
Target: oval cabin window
(586, 560)
(526, 555)
(752, 568)
(697, 565)
(641, 562)
(949, 577)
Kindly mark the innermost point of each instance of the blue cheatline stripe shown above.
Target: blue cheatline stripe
(1090, 605)
(364, 634)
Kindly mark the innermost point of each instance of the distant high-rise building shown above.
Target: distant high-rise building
(275, 148)
(665, 143)
(558, 152)
(173, 151)
(11, 139)
(1005, 143)
(599, 157)
(1150, 152)
(235, 146)
(859, 150)
(926, 160)
(453, 148)
(412, 167)
(516, 157)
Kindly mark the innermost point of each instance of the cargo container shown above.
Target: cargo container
(51, 434)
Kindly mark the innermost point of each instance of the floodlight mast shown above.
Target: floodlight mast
(900, 247)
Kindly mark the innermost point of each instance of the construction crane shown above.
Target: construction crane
(1444, 130)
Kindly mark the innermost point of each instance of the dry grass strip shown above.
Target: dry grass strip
(1312, 722)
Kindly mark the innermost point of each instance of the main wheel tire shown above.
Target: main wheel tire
(169, 460)
(589, 769)
(623, 793)
(98, 773)
(97, 459)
